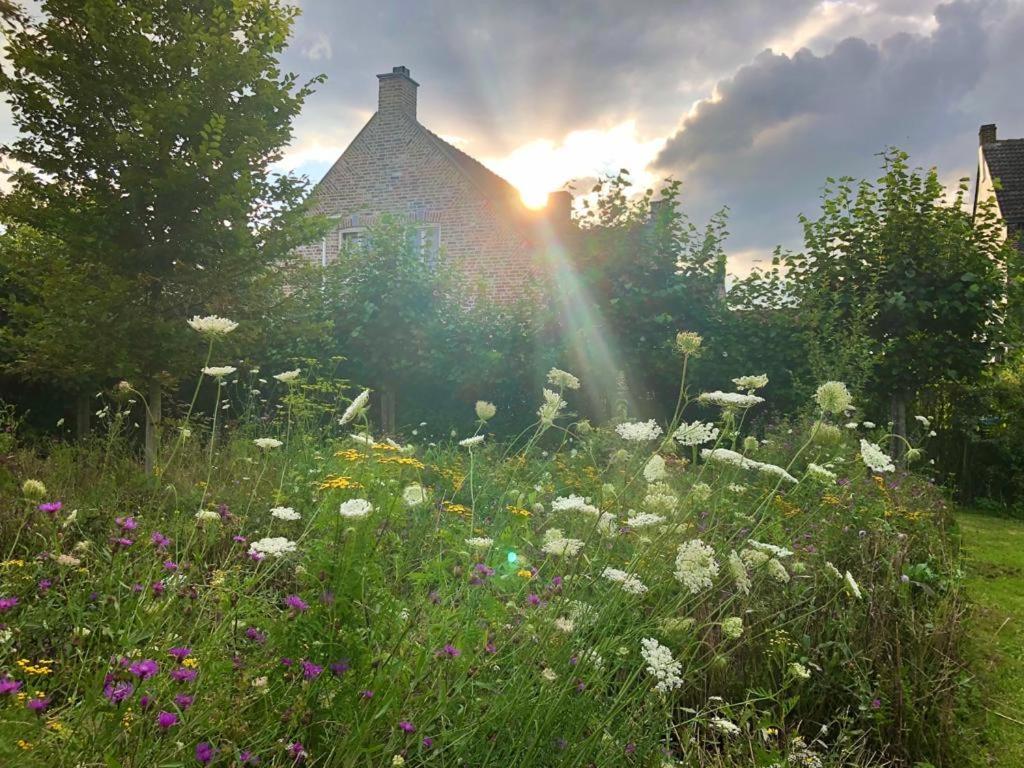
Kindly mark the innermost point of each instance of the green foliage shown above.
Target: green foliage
(147, 130)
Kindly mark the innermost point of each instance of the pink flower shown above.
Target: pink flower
(165, 720)
(406, 726)
(296, 604)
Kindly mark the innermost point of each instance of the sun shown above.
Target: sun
(534, 197)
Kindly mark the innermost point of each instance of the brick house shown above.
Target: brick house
(458, 209)
(1000, 175)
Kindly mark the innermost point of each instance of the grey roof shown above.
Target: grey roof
(1005, 161)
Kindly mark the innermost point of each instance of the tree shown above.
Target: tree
(898, 288)
(147, 131)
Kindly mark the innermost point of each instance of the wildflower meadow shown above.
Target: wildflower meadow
(294, 588)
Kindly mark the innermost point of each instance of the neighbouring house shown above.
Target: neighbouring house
(458, 209)
(1001, 176)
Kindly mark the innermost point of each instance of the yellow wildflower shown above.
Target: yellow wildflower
(519, 511)
(339, 483)
(523, 573)
(191, 662)
(25, 745)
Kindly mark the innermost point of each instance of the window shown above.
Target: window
(427, 240)
(352, 239)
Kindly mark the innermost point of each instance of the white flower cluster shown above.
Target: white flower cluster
(696, 433)
(470, 442)
(695, 565)
(851, 585)
(771, 549)
(355, 508)
(722, 725)
(654, 469)
(551, 408)
(660, 665)
(639, 431)
(355, 408)
(207, 516)
(212, 325)
(561, 546)
(732, 627)
(749, 383)
(833, 397)
(875, 458)
(485, 411)
(644, 520)
(219, 371)
(480, 542)
(414, 495)
(563, 379)
(660, 499)
(627, 581)
(820, 473)
(738, 572)
(287, 377)
(573, 503)
(285, 513)
(729, 399)
(272, 546)
(725, 456)
(267, 443)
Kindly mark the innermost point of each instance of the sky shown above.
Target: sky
(751, 104)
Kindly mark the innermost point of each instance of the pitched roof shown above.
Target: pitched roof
(1005, 159)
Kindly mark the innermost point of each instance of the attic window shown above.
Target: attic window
(426, 239)
(353, 238)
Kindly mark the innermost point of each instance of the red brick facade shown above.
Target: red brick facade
(396, 166)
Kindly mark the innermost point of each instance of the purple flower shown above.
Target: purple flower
(126, 523)
(223, 511)
(183, 674)
(366, 694)
(170, 565)
(158, 588)
(297, 751)
(255, 635)
(630, 748)
(183, 701)
(286, 662)
(9, 684)
(533, 599)
(165, 720)
(248, 758)
(406, 726)
(159, 540)
(339, 668)
(145, 701)
(44, 584)
(449, 652)
(240, 540)
(117, 691)
(38, 704)
(179, 653)
(122, 541)
(296, 604)
(310, 671)
(427, 742)
(491, 647)
(204, 752)
(144, 668)
(50, 506)
(6, 603)
(483, 569)
(876, 704)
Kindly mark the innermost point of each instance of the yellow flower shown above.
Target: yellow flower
(191, 662)
(405, 461)
(457, 509)
(349, 454)
(519, 511)
(524, 573)
(55, 725)
(339, 483)
(12, 564)
(22, 744)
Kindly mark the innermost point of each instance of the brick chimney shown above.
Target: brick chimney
(397, 94)
(987, 134)
(559, 207)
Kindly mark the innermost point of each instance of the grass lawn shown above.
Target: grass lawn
(995, 562)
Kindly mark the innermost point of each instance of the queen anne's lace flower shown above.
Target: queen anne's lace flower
(833, 397)
(212, 325)
(875, 458)
(820, 473)
(851, 585)
(696, 433)
(771, 549)
(207, 516)
(563, 379)
(551, 408)
(738, 572)
(639, 431)
(355, 508)
(799, 671)
(485, 411)
(287, 377)
(272, 546)
(219, 371)
(695, 565)
(480, 542)
(654, 469)
(778, 571)
(413, 495)
(267, 442)
(285, 513)
(729, 399)
(749, 383)
(644, 520)
(722, 725)
(355, 408)
(573, 503)
(732, 627)
(660, 665)
(627, 581)
(688, 342)
(725, 456)
(469, 442)
(562, 547)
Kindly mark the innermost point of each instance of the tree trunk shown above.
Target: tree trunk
(82, 414)
(388, 400)
(898, 415)
(154, 408)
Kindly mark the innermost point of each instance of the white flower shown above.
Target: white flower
(561, 546)
(560, 378)
(573, 503)
(627, 581)
(851, 585)
(729, 399)
(644, 519)
(688, 342)
(285, 513)
(549, 674)
(287, 377)
(207, 516)
(833, 570)
(738, 571)
(469, 442)
(725, 456)
(480, 542)
(273, 546)
(799, 671)
(267, 442)
(851, 425)
(875, 458)
(771, 549)
(833, 397)
(696, 433)
(33, 489)
(819, 473)
(923, 420)
(654, 469)
(660, 665)
(700, 492)
(750, 383)
(219, 371)
(363, 438)
(211, 325)
(564, 624)
(724, 726)
(485, 411)
(660, 499)
(413, 495)
(639, 431)
(732, 627)
(355, 508)
(551, 408)
(695, 565)
(778, 571)
(355, 408)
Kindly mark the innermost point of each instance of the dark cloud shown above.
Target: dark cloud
(781, 124)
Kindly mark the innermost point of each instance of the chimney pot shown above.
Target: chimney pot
(397, 93)
(987, 134)
(559, 207)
